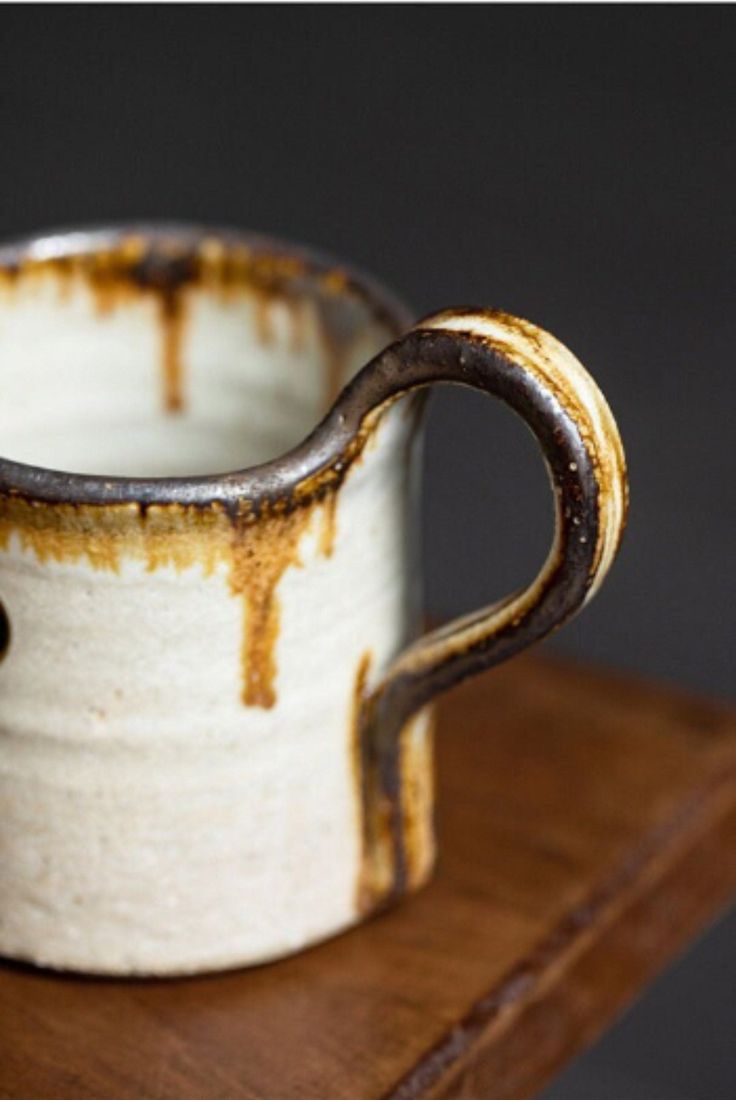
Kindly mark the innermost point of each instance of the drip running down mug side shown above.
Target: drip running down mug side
(215, 701)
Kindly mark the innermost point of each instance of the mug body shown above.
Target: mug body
(182, 782)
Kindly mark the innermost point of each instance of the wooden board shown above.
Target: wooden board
(588, 829)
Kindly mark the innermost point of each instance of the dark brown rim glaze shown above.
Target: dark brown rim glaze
(322, 449)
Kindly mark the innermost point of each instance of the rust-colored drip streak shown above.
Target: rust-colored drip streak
(328, 530)
(173, 317)
(365, 890)
(258, 660)
(261, 553)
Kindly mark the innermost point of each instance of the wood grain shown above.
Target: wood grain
(587, 828)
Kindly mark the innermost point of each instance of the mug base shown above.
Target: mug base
(205, 962)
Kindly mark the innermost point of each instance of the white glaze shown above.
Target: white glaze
(150, 822)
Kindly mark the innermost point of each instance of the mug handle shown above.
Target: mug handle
(545, 384)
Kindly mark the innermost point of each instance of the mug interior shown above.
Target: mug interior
(174, 352)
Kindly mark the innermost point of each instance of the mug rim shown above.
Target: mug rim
(267, 481)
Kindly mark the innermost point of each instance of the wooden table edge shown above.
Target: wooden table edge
(685, 868)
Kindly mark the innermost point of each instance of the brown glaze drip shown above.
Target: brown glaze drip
(329, 525)
(173, 316)
(165, 273)
(256, 550)
(366, 891)
(261, 553)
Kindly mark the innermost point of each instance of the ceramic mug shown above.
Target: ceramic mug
(214, 691)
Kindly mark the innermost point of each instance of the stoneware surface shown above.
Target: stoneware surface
(214, 709)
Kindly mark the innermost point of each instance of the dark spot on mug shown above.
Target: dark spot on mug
(4, 631)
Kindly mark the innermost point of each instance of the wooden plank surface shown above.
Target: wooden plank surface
(588, 829)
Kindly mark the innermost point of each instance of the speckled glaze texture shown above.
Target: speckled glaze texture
(215, 720)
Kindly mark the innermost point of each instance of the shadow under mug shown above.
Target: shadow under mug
(214, 689)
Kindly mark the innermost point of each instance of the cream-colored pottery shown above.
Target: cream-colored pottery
(214, 723)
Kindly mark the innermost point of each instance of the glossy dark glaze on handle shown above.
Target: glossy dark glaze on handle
(537, 377)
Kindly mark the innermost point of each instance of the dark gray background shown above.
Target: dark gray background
(575, 165)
